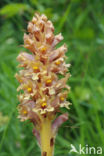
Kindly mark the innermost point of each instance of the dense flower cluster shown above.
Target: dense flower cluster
(43, 91)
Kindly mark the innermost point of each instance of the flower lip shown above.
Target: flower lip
(58, 62)
(29, 89)
(62, 98)
(43, 105)
(48, 82)
(43, 49)
(25, 112)
(36, 69)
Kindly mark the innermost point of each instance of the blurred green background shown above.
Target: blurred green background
(82, 25)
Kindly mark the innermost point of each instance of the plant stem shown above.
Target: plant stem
(47, 138)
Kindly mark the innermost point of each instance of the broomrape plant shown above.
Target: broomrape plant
(43, 92)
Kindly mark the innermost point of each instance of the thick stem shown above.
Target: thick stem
(47, 138)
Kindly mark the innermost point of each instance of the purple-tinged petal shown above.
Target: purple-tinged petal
(59, 121)
(37, 135)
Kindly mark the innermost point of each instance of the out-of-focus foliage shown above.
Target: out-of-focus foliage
(11, 10)
(82, 25)
(3, 121)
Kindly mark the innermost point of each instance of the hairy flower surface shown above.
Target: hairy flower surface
(43, 93)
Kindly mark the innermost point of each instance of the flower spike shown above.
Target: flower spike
(43, 92)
